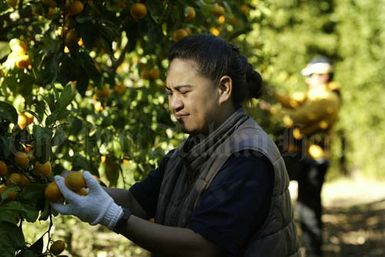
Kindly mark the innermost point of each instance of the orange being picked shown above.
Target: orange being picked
(75, 181)
(52, 193)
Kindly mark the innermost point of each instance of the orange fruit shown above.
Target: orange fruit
(82, 191)
(215, 31)
(71, 37)
(189, 13)
(104, 92)
(218, 10)
(221, 19)
(179, 34)
(24, 181)
(11, 195)
(75, 8)
(50, 3)
(43, 169)
(57, 247)
(120, 89)
(3, 169)
(52, 193)
(15, 178)
(145, 73)
(138, 10)
(29, 116)
(22, 121)
(233, 21)
(22, 160)
(244, 9)
(22, 61)
(12, 3)
(18, 46)
(154, 73)
(75, 181)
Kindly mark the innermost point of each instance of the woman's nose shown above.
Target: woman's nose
(175, 103)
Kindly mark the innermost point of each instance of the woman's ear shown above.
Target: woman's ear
(225, 88)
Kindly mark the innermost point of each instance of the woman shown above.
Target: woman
(223, 192)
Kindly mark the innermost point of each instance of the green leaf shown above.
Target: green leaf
(76, 126)
(26, 211)
(80, 162)
(28, 253)
(33, 193)
(8, 112)
(9, 216)
(66, 97)
(11, 239)
(42, 143)
(59, 137)
(6, 146)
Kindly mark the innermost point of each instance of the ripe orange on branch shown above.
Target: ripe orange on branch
(23, 120)
(43, 169)
(189, 13)
(218, 10)
(179, 34)
(57, 247)
(52, 193)
(3, 169)
(75, 8)
(17, 46)
(138, 10)
(12, 3)
(22, 159)
(11, 195)
(120, 89)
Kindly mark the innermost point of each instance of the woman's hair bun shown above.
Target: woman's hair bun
(254, 82)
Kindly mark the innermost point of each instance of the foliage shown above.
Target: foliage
(81, 87)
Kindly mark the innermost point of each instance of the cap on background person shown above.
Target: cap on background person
(319, 64)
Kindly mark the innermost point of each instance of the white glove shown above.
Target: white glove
(97, 207)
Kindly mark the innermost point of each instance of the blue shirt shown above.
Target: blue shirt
(235, 205)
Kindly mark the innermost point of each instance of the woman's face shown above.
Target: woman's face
(316, 80)
(193, 98)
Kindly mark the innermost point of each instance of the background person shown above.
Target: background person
(305, 143)
(224, 191)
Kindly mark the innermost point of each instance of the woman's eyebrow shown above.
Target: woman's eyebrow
(179, 87)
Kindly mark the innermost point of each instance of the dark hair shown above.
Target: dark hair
(216, 58)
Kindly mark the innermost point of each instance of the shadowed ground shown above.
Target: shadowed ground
(354, 218)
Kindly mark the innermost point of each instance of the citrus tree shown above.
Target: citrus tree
(81, 89)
